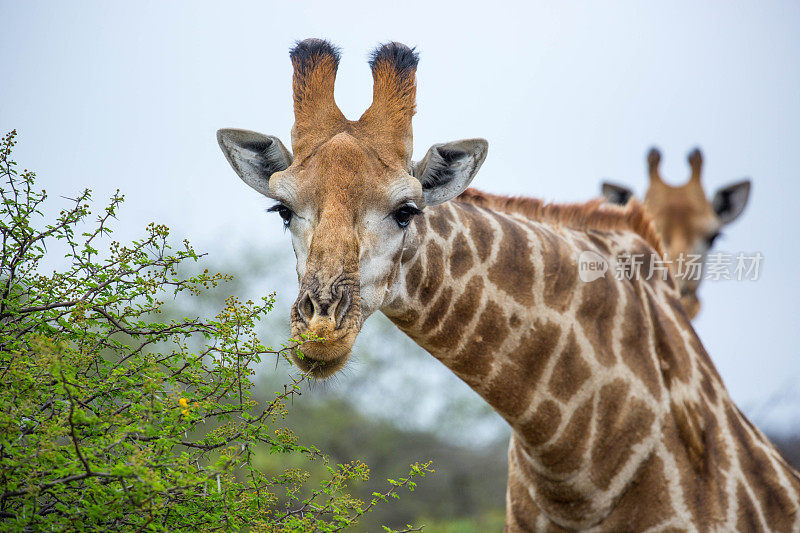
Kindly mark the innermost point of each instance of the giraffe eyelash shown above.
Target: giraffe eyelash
(403, 214)
(285, 213)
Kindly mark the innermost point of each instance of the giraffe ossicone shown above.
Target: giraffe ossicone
(620, 421)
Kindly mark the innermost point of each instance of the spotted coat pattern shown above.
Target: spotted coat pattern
(620, 420)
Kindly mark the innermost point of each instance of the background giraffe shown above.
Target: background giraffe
(686, 221)
(620, 421)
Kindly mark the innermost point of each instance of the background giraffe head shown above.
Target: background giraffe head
(348, 191)
(687, 222)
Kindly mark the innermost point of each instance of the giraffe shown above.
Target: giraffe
(619, 419)
(686, 221)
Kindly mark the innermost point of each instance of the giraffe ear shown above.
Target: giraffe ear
(616, 194)
(255, 157)
(448, 168)
(729, 202)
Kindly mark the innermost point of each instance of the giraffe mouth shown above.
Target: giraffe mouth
(323, 358)
(319, 368)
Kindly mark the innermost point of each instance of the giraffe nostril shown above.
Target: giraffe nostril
(341, 307)
(306, 308)
(309, 307)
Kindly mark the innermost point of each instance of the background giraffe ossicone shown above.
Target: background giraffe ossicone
(619, 419)
(687, 222)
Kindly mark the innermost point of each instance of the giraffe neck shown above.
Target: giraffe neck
(586, 373)
(498, 300)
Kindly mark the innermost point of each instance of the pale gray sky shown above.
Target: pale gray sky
(129, 95)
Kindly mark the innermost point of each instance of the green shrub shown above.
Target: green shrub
(113, 420)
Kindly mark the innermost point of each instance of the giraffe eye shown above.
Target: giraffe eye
(713, 237)
(285, 213)
(404, 214)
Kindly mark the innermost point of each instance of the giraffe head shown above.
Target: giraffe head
(686, 221)
(348, 192)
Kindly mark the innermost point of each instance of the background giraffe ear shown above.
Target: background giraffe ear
(729, 202)
(616, 194)
(447, 169)
(255, 157)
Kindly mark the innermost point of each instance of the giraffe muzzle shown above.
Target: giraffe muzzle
(327, 317)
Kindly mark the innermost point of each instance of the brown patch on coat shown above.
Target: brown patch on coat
(560, 271)
(596, 316)
(651, 270)
(406, 320)
(748, 516)
(705, 494)
(534, 350)
(460, 256)
(508, 394)
(513, 272)
(480, 231)
(690, 424)
(592, 215)
(676, 366)
(622, 422)
(440, 222)
(678, 309)
(464, 308)
(563, 500)
(542, 424)
(522, 511)
(570, 372)
(567, 453)
(414, 277)
(634, 347)
(437, 311)
(647, 504)
(421, 227)
(475, 359)
(557, 498)
(710, 378)
(434, 273)
(708, 384)
(776, 505)
(599, 240)
(515, 385)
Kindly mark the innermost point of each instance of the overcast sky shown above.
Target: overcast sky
(129, 95)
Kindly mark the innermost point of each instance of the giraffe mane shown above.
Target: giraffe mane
(595, 214)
